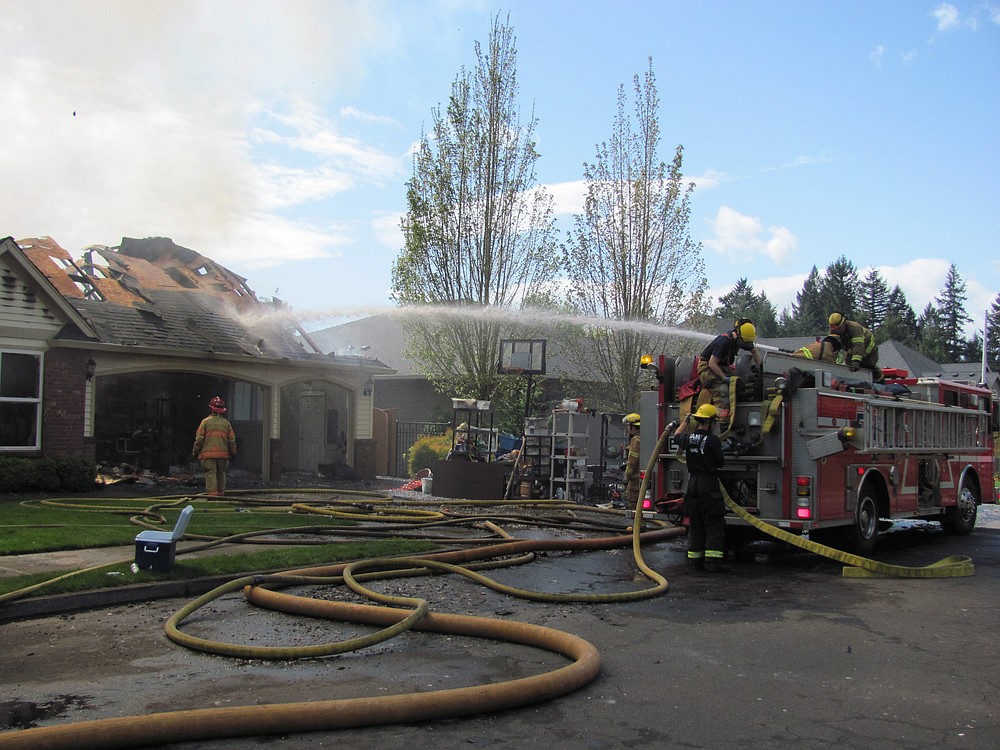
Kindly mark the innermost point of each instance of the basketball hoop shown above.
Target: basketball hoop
(512, 371)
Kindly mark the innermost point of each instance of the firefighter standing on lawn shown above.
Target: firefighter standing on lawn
(214, 447)
(633, 474)
(859, 345)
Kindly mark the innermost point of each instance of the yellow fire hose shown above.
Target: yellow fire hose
(326, 715)
(246, 721)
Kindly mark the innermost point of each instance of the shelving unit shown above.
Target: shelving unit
(568, 478)
(480, 430)
(536, 457)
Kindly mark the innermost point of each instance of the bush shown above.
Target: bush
(426, 450)
(46, 474)
(77, 474)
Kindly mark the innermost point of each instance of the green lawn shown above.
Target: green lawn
(34, 526)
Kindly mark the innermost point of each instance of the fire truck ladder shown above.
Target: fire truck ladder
(893, 427)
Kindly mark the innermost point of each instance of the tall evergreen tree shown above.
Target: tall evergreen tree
(839, 286)
(809, 314)
(993, 335)
(872, 300)
(900, 322)
(743, 302)
(930, 338)
(952, 317)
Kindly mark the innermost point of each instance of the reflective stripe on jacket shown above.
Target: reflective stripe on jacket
(215, 438)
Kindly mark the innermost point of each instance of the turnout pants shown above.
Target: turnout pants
(706, 510)
(215, 475)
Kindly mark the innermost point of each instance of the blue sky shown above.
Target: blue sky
(275, 137)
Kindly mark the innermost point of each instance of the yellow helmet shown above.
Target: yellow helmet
(836, 320)
(747, 331)
(706, 411)
(631, 420)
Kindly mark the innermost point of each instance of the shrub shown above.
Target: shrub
(426, 450)
(76, 474)
(46, 474)
(16, 474)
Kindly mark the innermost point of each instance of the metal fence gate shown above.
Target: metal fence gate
(407, 434)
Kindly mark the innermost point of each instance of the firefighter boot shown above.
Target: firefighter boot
(714, 562)
(696, 560)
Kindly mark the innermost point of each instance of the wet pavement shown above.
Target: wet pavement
(778, 652)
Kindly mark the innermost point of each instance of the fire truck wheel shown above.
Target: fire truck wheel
(863, 532)
(960, 519)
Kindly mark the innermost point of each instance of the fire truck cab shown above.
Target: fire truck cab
(816, 449)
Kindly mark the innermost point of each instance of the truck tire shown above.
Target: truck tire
(960, 519)
(863, 533)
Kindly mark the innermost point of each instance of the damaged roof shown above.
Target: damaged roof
(155, 293)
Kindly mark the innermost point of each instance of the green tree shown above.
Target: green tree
(872, 300)
(952, 317)
(838, 287)
(743, 302)
(479, 231)
(993, 335)
(809, 314)
(629, 256)
(931, 339)
(900, 322)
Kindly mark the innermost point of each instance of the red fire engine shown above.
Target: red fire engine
(816, 449)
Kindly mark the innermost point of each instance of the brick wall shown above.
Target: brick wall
(63, 405)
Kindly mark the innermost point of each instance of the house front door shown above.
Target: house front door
(312, 430)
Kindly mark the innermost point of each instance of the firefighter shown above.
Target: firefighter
(703, 503)
(633, 474)
(717, 364)
(826, 349)
(860, 349)
(214, 447)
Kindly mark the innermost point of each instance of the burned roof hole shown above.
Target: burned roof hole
(151, 317)
(180, 277)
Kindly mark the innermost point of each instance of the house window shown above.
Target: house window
(20, 400)
(248, 403)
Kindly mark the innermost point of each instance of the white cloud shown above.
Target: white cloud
(568, 197)
(710, 179)
(800, 161)
(876, 55)
(740, 237)
(947, 16)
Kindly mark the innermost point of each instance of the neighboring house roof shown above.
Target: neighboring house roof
(158, 295)
(376, 336)
(382, 336)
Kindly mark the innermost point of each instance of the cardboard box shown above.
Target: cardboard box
(157, 556)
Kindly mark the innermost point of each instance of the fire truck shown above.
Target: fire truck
(819, 450)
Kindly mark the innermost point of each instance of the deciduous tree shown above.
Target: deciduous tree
(630, 256)
(479, 230)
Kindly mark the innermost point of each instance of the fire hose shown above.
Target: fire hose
(200, 724)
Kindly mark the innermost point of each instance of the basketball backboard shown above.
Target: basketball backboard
(522, 357)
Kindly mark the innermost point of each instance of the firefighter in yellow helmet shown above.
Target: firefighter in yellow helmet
(717, 363)
(633, 472)
(703, 503)
(860, 349)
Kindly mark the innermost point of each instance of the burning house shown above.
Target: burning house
(113, 356)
